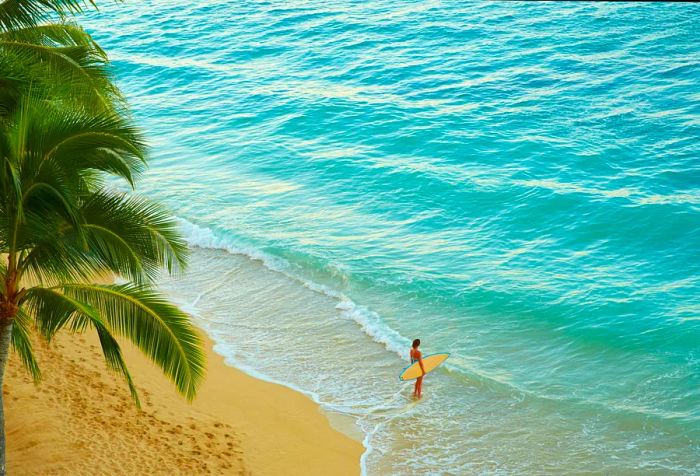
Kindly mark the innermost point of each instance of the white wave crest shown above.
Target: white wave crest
(372, 325)
(369, 321)
(203, 237)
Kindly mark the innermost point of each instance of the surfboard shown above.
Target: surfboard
(430, 363)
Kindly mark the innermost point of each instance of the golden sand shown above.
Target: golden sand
(81, 420)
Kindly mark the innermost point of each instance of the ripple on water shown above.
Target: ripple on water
(516, 183)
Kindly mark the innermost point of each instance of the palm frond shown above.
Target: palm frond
(147, 228)
(162, 331)
(77, 140)
(44, 267)
(54, 310)
(118, 234)
(79, 70)
(115, 359)
(22, 344)
(54, 34)
(51, 158)
(12, 83)
(16, 14)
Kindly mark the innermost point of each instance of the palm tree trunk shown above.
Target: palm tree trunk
(5, 338)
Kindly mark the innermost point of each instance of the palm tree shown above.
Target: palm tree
(63, 128)
(61, 226)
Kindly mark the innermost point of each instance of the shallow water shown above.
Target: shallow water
(517, 184)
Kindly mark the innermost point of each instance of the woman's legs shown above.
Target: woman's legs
(419, 387)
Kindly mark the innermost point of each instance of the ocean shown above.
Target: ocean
(517, 184)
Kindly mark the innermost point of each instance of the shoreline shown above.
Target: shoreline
(340, 422)
(81, 417)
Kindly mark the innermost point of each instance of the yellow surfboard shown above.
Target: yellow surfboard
(430, 363)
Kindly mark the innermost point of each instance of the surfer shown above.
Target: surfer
(417, 356)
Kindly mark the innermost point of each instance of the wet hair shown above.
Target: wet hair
(416, 343)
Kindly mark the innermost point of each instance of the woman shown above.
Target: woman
(417, 356)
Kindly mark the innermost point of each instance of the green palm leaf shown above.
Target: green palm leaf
(40, 49)
(22, 344)
(118, 234)
(27, 13)
(162, 331)
(146, 228)
(54, 34)
(54, 310)
(77, 69)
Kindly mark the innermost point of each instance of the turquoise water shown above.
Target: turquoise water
(517, 184)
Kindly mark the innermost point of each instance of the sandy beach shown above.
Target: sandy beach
(80, 420)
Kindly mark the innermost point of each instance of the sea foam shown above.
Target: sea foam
(369, 321)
